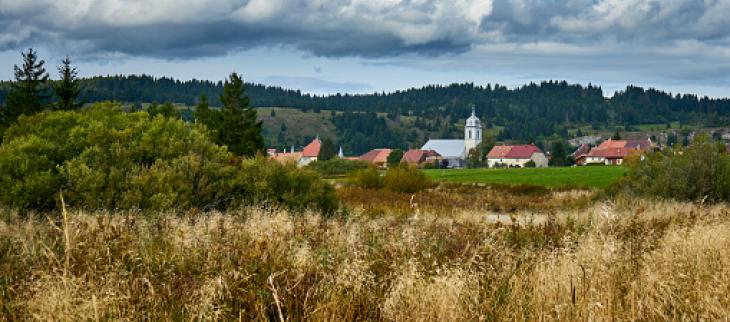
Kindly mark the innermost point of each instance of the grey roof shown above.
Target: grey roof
(446, 148)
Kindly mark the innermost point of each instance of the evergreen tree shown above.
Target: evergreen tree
(558, 156)
(395, 156)
(239, 129)
(168, 110)
(616, 135)
(202, 110)
(67, 88)
(27, 92)
(327, 151)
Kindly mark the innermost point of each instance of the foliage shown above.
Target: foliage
(368, 178)
(337, 166)
(236, 127)
(327, 150)
(166, 110)
(530, 164)
(477, 157)
(395, 157)
(360, 132)
(558, 155)
(405, 178)
(557, 177)
(67, 88)
(27, 94)
(104, 158)
(700, 171)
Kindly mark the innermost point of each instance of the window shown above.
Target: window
(469, 134)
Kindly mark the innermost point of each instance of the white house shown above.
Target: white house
(455, 152)
(516, 156)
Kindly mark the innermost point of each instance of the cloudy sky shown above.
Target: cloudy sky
(325, 46)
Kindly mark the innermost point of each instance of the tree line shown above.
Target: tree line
(523, 114)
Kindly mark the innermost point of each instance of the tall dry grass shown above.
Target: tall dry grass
(622, 260)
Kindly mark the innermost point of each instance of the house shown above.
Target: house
(613, 152)
(418, 157)
(310, 152)
(455, 152)
(581, 150)
(378, 157)
(516, 156)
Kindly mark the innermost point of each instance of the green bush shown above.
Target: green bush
(368, 178)
(405, 178)
(337, 166)
(105, 158)
(699, 172)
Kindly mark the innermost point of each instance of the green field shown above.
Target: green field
(592, 177)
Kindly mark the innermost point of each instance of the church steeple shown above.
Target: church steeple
(472, 131)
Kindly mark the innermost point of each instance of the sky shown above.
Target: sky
(363, 46)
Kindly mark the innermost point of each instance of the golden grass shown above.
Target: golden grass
(619, 260)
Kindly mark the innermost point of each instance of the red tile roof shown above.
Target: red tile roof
(312, 149)
(376, 156)
(524, 151)
(618, 149)
(418, 156)
(614, 153)
(632, 144)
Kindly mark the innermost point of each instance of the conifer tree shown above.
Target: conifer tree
(202, 110)
(238, 127)
(67, 88)
(327, 151)
(27, 91)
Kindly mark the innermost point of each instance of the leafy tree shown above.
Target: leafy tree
(698, 172)
(105, 158)
(477, 157)
(169, 110)
(394, 157)
(327, 151)
(26, 94)
(67, 88)
(238, 128)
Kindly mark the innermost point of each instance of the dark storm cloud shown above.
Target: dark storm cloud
(185, 29)
(363, 28)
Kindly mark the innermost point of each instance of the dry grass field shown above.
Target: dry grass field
(614, 260)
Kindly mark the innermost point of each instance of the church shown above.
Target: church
(455, 152)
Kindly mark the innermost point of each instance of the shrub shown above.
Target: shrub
(105, 158)
(368, 178)
(530, 164)
(337, 166)
(405, 178)
(700, 171)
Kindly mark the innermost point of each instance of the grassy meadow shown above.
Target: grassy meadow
(553, 177)
(491, 257)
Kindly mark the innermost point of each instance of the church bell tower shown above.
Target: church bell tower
(472, 131)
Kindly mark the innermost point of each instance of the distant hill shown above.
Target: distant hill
(528, 113)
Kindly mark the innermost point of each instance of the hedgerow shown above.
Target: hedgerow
(106, 158)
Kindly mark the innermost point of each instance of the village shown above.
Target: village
(454, 153)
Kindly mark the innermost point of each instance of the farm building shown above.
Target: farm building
(613, 152)
(418, 157)
(310, 152)
(378, 157)
(516, 156)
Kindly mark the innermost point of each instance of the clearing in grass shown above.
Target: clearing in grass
(563, 177)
